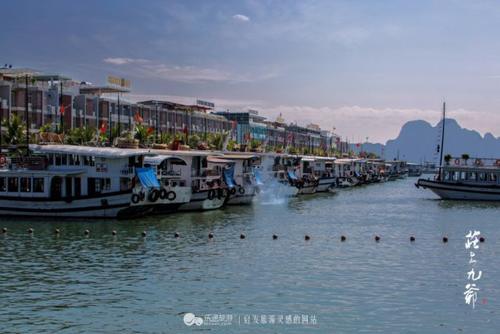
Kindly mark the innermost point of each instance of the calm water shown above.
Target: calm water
(127, 283)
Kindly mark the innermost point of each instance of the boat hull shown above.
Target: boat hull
(202, 201)
(453, 191)
(325, 184)
(111, 205)
(245, 196)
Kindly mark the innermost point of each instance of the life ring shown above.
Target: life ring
(153, 196)
(457, 161)
(171, 195)
(232, 191)
(135, 198)
(241, 190)
(163, 193)
(211, 194)
(497, 163)
(478, 162)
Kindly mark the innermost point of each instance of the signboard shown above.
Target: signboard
(205, 104)
(121, 82)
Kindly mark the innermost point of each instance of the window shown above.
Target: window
(3, 184)
(38, 185)
(71, 159)
(85, 160)
(64, 159)
(13, 184)
(125, 183)
(58, 160)
(78, 187)
(26, 184)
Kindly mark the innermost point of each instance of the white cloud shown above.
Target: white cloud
(124, 61)
(191, 74)
(241, 18)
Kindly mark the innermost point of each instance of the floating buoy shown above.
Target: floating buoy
(343, 238)
(445, 239)
(4, 230)
(307, 237)
(210, 235)
(242, 236)
(377, 238)
(113, 232)
(56, 231)
(176, 235)
(482, 239)
(143, 233)
(412, 238)
(275, 237)
(30, 230)
(86, 232)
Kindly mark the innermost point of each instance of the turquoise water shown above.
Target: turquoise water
(127, 283)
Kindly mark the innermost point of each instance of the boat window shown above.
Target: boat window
(92, 161)
(25, 184)
(77, 160)
(71, 159)
(13, 185)
(125, 183)
(78, 186)
(58, 160)
(64, 159)
(85, 160)
(3, 184)
(51, 159)
(38, 185)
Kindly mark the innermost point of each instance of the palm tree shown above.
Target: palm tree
(15, 130)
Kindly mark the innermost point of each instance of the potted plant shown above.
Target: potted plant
(465, 157)
(447, 159)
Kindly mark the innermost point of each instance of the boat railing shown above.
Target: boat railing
(474, 162)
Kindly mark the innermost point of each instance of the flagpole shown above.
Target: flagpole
(442, 140)
(61, 106)
(26, 112)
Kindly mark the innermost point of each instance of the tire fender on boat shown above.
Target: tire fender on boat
(163, 193)
(154, 194)
(241, 190)
(135, 198)
(171, 195)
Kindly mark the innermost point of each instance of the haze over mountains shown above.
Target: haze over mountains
(417, 142)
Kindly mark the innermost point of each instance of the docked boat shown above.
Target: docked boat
(239, 177)
(480, 181)
(173, 174)
(324, 172)
(207, 187)
(345, 170)
(302, 176)
(76, 181)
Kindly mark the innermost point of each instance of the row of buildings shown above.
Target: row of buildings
(56, 102)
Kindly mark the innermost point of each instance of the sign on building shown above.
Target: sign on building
(121, 82)
(205, 104)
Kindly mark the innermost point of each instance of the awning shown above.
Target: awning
(147, 177)
(158, 159)
(229, 177)
(291, 175)
(309, 159)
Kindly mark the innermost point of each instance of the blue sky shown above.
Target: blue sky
(363, 67)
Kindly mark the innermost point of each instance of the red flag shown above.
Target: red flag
(103, 128)
(138, 118)
(62, 109)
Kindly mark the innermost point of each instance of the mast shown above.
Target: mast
(442, 139)
(26, 113)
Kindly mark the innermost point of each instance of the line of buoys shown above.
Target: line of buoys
(377, 238)
(307, 238)
(412, 238)
(343, 238)
(176, 235)
(143, 234)
(30, 230)
(113, 232)
(86, 232)
(242, 236)
(445, 239)
(210, 235)
(275, 237)
(57, 231)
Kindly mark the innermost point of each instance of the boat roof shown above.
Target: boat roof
(45, 172)
(158, 159)
(190, 153)
(473, 168)
(240, 157)
(219, 160)
(101, 152)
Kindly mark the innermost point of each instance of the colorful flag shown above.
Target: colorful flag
(103, 128)
(138, 118)
(61, 110)
(150, 130)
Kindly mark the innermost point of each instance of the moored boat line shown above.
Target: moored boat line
(84, 181)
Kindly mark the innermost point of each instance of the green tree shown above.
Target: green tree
(15, 131)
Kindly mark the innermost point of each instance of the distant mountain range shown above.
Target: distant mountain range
(417, 142)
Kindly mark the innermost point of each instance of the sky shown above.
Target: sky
(363, 68)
